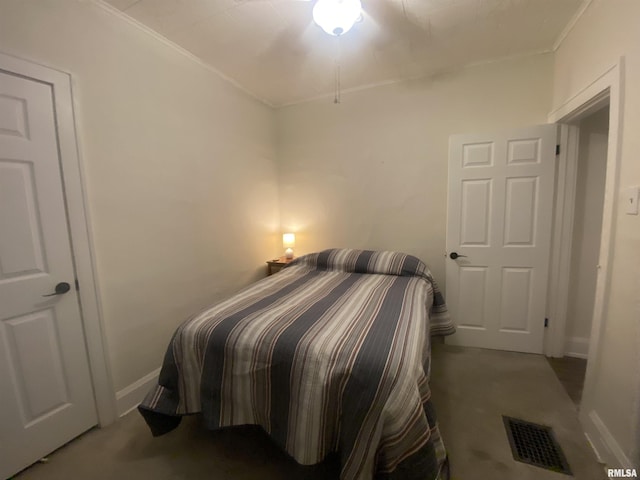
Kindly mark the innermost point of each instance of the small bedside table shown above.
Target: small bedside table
(274, 266)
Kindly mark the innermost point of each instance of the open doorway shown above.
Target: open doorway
(585, 249)
(605, 90)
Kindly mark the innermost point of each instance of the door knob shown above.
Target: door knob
(454, 255)
(61, 289)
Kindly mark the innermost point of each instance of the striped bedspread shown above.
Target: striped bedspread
(332, 354)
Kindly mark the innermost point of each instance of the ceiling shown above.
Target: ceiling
(275, 51)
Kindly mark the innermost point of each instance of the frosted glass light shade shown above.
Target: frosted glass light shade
(336, 17)
(288, 242)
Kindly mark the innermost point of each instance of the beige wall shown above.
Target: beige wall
(587, 229)
(371, 172)
(183, 186)
(607, 30)
(180, 171)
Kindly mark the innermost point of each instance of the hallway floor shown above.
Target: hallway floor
(570, 371)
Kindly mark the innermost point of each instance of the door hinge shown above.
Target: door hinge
(557, 149)
(546, 322)
(77, 284)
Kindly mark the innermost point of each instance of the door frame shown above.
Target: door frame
(606, 88)
(561, 242)
(79, 227)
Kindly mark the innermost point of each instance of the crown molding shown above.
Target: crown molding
(571, 24)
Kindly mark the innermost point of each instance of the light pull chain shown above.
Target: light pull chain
(337, 98)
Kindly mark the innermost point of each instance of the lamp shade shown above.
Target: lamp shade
(336, 17)
(288, 240)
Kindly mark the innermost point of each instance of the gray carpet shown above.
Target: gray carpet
(472, 388)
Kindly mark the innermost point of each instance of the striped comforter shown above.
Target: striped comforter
(329, 355)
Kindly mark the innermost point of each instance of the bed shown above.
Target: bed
(329, 356)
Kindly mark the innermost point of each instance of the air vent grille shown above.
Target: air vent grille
(535, 444)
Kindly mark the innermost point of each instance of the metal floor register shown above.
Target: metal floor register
(535, 444)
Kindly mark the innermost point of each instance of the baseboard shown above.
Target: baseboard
(130, 397)
(606, 447)
(577, 347)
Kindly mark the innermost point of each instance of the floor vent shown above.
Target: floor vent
(535, 444)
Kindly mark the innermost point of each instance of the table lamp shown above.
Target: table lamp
(288, 242)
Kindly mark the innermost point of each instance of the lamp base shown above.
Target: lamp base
(288, 253)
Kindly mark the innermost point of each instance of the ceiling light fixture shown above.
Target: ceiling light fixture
(336, 17)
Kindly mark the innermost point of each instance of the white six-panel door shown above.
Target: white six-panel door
(500, 206)
(46, 397)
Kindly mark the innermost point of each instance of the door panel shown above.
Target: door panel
(476, 216)
(516, 299)
(499, 220)
(21, 249)
(46, 395)
(13, 116)
(473, 288)
(521, 202)
(38, 379)
(477, 154)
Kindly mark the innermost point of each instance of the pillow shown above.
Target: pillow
(385, 263)
(365, 261)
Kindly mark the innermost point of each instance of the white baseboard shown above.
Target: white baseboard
(577, 347)
(130, 397)
(607, 449)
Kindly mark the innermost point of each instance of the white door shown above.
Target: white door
(46, 397)
(500, 206)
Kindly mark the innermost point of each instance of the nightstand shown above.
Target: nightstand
(275, 265)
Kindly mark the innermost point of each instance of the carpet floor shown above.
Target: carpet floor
(472, 389)
(571, 372)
